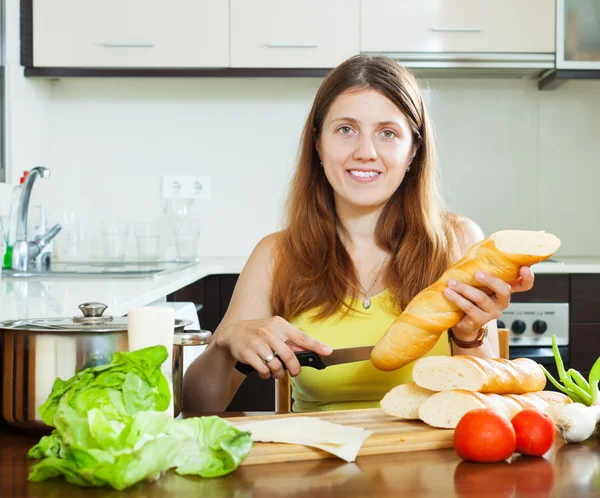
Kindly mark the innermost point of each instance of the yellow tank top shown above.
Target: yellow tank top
(352, 385)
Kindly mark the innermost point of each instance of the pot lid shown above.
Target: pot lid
(91, 320)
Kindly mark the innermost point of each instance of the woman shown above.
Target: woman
(365, 233)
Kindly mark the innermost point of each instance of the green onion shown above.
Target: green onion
(574, 384)
(563, 389)
(576, 421)
(579, 379)
(594, 378)
(559, 363)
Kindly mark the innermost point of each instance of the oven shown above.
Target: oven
(531, 327)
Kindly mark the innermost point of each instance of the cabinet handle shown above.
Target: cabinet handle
(290, 45)
(441, 29)
(128, 45)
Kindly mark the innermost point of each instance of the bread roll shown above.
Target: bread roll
(444, 409)
(403, 401)
(430, 313)
(484, 375)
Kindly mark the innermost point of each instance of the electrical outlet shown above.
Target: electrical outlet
(186, 187)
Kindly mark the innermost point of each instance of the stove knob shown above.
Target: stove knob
(539, 326)
(518, 326)
(501, 324)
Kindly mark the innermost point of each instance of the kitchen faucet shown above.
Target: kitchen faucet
(25, 251)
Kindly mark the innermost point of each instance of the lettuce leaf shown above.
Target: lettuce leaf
(203, 446)
(111, 428)
(129, 383)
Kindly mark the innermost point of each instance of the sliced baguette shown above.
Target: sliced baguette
(404, 401)
(485, 375)
(430, 313)
(444, 409)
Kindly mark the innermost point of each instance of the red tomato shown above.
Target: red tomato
(484, 435)
(535, 477)
(535, 432)
(494, 480)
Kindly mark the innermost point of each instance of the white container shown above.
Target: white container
(153, 326)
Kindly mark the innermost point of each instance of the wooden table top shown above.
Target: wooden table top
(568, 471)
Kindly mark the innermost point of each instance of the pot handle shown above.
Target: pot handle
(192, 338)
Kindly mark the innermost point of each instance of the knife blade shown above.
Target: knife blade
(313, 360)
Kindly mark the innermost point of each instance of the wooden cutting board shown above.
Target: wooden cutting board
(390, 435)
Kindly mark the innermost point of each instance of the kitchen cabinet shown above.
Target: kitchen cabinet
(547, 288)
(130, 33)
(430, 26)
(585, 321)
(578, 34)
(581, 291)
(289, 34)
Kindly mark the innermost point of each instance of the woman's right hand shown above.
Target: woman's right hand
(251, 341)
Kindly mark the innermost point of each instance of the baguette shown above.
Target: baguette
(444, 409)
(484, 375)
(430, 313)
(403, 401)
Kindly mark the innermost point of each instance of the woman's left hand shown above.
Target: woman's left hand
(481, 307)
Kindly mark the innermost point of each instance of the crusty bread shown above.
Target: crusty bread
(403, 401)
(445, 409)
(485, 375)
(430, 313)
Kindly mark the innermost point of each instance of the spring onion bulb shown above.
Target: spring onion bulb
(577, 421)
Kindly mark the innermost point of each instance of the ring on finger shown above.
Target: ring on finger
(269, 358)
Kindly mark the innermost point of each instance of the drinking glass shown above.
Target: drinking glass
(68, 241)
(187, 237)
(116, 236)
(148, 241)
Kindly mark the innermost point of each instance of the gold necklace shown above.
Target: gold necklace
(367, 300)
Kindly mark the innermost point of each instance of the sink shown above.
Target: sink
(99, 269)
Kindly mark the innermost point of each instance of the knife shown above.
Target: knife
(313, 360)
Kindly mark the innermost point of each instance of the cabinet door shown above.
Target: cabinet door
(578, 34)
(458, 26)
(287, 33)
(131, 33)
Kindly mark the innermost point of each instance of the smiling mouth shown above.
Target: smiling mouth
(364, 176)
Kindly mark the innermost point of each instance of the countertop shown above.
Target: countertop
(569, 265)
(60, 297)
(567, 470)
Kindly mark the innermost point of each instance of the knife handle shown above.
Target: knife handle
(305, 358)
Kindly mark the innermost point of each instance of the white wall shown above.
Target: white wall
(27, 112)
(114, 139)
(511, 156)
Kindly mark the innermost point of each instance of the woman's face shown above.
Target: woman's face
(365, 146)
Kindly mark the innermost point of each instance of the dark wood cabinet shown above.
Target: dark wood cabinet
(585, 298)
(585, 321)
(584, 345)
(581, 291)
(547, 288)
(214, 293)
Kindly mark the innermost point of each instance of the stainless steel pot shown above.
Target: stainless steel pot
(34, 352)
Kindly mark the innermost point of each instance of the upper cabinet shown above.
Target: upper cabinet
(524, 38)
(130, 33)
(578, 34)
(293, 34)
(458, 26)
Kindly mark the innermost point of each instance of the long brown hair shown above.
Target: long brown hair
(312, 268)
